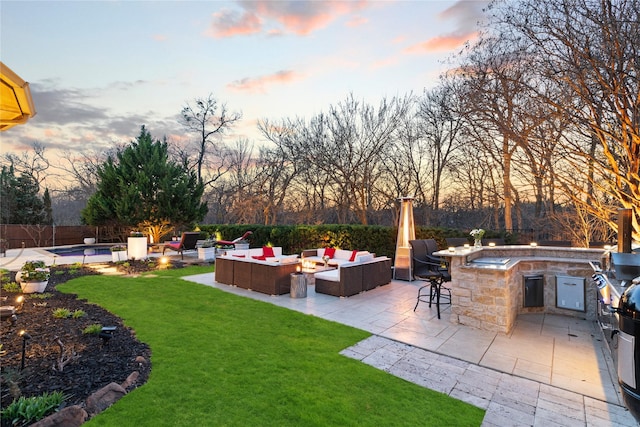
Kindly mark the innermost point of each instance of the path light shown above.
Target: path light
(19, 303)
(106, 333)
(452, 249)
(25, 336)
(533, 244)
(492, 244)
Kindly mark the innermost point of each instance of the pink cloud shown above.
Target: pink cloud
(228, 23)
(160, 37)
(275, 17)
(442, 43)
(466, 15)
(258, 84)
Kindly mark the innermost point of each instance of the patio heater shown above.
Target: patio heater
(406, 232)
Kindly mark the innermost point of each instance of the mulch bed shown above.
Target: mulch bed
(93, 363)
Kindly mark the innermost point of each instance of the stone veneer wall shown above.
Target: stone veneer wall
(491, 298)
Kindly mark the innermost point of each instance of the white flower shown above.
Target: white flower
(477, 233)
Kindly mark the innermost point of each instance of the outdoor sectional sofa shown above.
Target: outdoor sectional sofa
(366, 272)
(337, 257)
(252, 269)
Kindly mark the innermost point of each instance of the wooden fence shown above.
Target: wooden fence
(39, 236)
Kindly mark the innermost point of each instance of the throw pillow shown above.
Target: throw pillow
(330, 252)
(267, 252)
(353, 256)
(260, 257)
(239, 256)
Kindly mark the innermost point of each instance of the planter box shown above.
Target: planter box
(207, 254)
(137, 247)
(32, 287)
(118, 256)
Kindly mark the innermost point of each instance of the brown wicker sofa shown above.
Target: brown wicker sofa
(354, 277)
(270, 276)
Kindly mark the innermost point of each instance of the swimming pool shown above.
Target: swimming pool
(81, 250)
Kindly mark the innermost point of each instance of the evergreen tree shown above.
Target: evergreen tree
(19, 199)
(141, 187)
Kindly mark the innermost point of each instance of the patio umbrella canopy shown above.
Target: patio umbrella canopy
(16, 104)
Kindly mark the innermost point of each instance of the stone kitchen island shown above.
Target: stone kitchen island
(491, 286)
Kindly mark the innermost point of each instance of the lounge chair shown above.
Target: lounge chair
(187, 242)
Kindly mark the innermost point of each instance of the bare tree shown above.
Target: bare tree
(590, 49)
(440, 122)
(208, 121)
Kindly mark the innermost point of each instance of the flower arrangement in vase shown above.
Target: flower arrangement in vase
(477, 234)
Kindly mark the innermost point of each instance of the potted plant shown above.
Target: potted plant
(33, 277)
(118, 253)
(207, 251)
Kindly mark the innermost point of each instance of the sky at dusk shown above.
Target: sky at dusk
(98, 70)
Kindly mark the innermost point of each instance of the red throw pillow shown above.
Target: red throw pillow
(353, 256)
(267, 252)
(239, 256)
(260, 257)
(330, 252)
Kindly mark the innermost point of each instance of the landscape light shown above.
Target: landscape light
(492, 244)
(25, 336)
(106, 333)
(19, 303)
(533, 244)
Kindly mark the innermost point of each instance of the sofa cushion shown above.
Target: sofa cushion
(332, 275)
(330, 252)
(267, 252)
(342, 254)
(364, 257)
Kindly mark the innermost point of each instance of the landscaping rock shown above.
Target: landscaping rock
(71, 416)
(131, 380)
(103, 398)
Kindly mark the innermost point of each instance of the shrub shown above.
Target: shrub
(11, 287)
(94, 329)
(61, 313)
(78, 314)
(26, 410)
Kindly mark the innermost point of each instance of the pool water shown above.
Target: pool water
(81, 250)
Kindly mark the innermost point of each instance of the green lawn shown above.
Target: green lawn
(223, 360)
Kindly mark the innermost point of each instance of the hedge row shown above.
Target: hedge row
(294, 239)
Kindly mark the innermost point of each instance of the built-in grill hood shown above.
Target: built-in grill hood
(626, 266)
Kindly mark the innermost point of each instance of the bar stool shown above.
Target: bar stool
(435, 279)
(431, 269)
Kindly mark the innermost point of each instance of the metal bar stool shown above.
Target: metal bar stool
(431, 269)
(435, 279)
